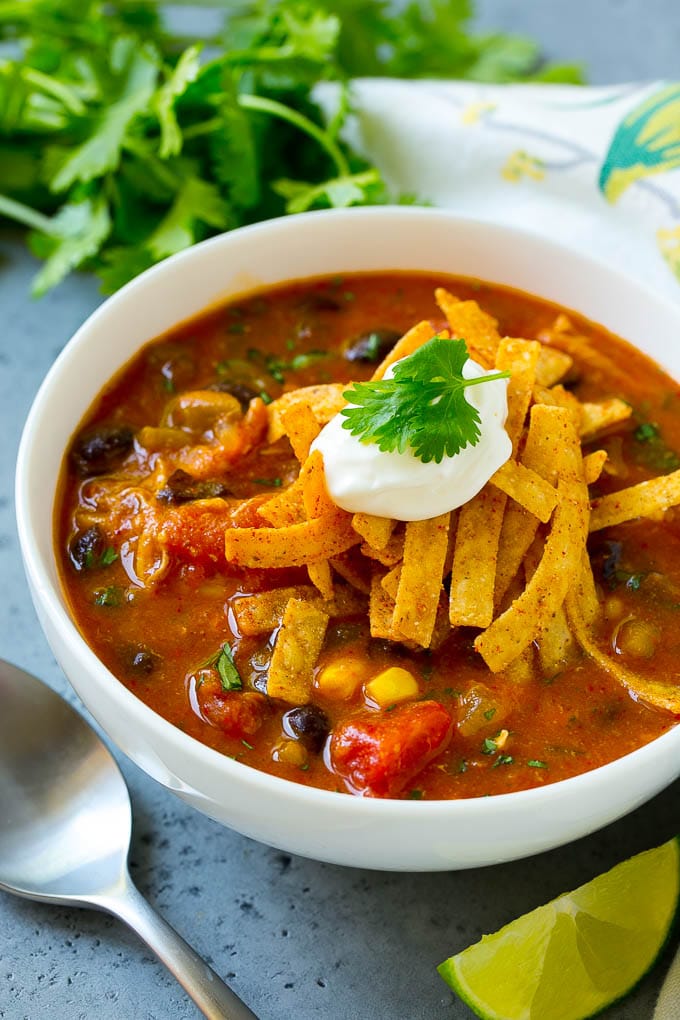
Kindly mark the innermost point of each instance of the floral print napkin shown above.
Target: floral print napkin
(597, 169)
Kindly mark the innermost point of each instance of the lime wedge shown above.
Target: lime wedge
(578, 954)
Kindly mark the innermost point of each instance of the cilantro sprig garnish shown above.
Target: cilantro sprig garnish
(422, 407)
(122, 142)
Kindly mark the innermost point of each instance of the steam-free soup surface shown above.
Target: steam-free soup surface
(142, 554)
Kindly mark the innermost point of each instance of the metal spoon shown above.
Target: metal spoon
(65, 827)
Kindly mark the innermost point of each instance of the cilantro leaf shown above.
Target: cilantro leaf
(226, 667)
(422, 407)
(76, 233)
(185, 71)
(105, 111)
(198, 202)
(337, 193)
(136, 70)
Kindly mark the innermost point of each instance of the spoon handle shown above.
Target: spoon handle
(212, 996)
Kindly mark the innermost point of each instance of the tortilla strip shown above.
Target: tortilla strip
(593, 464)
(380, 609)
(321, 577)
(556, 644)
(654, 692)
(286, 508)
(420, 582)
(519, 357)
(467, 321)
(529, 615)
(376, 531)
(521, 670)
(262, 613)
(552, 366)
(586, 593)
(390, 554)
(292, 546)
(296, 651)
(527, 488)
(473, 575)
(301, 427)
(325, 400)
(410, 342)
(642, 500)
(564, 337)
(519, 527)
(352, 567)
(390, 581)
(557, 396)
(316, 498)
(602, 415)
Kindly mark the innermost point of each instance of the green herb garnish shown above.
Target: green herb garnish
(646, 432)
(489, 746)
(423, 407)
(274, 483)
(105, 559)
(503, 759)
(120, 145)
(226, 667)
(534, 763)
(111, 596)
(652, 450)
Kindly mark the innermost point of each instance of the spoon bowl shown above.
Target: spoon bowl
(66, 837)
(65, 828)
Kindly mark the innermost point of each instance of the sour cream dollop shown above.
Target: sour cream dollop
(363, 479)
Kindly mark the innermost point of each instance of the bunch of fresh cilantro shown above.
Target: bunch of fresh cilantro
(121, 142)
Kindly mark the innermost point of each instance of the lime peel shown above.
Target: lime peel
(597, 942)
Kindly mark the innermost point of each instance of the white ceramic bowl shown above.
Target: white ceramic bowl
(398, 835)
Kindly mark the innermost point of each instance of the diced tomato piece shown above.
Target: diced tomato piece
(195, 533)
(237, 713)
(378, 755)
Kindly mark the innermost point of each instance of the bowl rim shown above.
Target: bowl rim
(54, 604)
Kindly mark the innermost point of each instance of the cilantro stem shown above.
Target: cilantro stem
(484, 378)
(157, 166)
(204, 127)
(57, 89)
(20, 10)
(24, 214)
(275, 109)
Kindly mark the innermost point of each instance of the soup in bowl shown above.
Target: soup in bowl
(361, 548)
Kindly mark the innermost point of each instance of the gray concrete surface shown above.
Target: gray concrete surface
(295, 938)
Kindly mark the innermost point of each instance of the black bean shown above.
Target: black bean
(322, 303)
(244, 394)
(100, 449)
(372, 347)
(309, 724)
(174, 365)
(86, 548)
(182, 487)
(140, 660)
(381, 646)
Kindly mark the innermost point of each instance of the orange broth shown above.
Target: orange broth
(155, 639)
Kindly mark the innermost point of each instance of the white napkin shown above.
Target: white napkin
(668, 1003)
(596, 169)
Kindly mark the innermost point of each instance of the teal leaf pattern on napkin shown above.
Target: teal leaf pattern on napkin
(646, 142)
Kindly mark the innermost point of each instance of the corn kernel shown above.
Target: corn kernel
(339, 680)
(291, 752)
(392, 685)
(502, 739)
